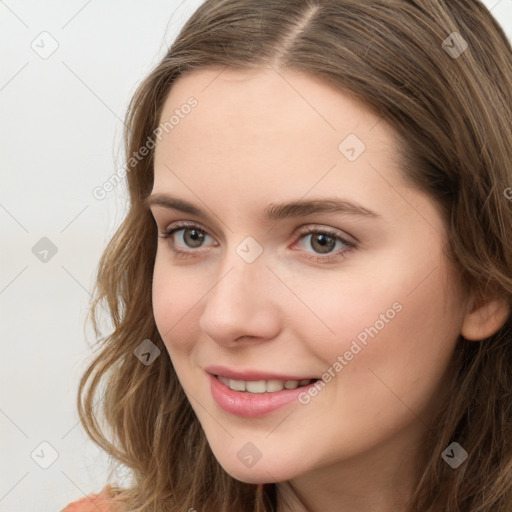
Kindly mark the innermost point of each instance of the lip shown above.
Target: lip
(253, 374)
(252, 405)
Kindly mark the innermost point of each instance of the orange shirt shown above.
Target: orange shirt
(101, 502)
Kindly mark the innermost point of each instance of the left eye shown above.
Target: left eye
(322, 241)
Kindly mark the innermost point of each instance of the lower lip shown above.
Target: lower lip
(252, 405)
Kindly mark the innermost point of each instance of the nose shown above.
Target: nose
(242, 304)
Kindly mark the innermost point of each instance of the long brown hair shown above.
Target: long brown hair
(452, 108)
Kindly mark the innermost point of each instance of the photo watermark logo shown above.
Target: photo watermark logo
(101, 191)
(343, 360)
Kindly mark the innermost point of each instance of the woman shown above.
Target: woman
(311, 291)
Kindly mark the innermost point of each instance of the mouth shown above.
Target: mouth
(256, 398)
(264, 386)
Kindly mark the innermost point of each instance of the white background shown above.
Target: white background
(61, 122)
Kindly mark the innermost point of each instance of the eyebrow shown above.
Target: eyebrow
(274, 211)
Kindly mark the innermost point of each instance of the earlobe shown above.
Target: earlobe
(485, 318)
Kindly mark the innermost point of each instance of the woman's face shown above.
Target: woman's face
(360, 296)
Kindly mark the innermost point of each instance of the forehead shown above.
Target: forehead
(257, 98)
(252, 131)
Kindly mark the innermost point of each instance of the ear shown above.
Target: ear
(485, 317)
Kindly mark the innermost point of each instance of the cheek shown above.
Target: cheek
(402, 325)
(174, 296)
(392, 299)
(395, 349)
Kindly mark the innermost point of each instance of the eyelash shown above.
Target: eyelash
(303, 232)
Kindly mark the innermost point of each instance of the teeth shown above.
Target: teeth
(274, 385)
(291, 384)
(237, 385)
(263, 386)
(258, 386)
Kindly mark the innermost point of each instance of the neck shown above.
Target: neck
(380, 480)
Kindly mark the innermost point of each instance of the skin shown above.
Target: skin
(253, 139)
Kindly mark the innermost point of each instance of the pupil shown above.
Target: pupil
(196, 237)
(323, 241)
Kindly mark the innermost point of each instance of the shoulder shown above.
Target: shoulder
(101, 502)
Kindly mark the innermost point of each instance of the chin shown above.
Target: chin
(253, 477)
(262, 473)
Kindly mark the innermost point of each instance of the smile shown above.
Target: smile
(257, 398)
(263, 386)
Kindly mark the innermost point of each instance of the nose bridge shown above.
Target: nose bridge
(239, 303)
(243, 269)
(238, 282)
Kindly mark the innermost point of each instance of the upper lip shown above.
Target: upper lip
(252, 375)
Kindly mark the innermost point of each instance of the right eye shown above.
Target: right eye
(192, 236)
